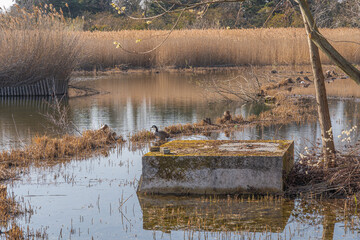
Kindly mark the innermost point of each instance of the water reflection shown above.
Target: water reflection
(139, 101)
(19, 119)
(97, 197)
(209, 214)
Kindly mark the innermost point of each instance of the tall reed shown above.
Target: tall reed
(36, 46)
(204, 48)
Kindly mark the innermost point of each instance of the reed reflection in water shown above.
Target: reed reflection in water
(97, 197)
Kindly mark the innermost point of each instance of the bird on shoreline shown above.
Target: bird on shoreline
(162, 135)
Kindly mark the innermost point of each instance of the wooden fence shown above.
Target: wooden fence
(47, 87)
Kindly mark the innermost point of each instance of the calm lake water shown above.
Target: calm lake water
(96, 198)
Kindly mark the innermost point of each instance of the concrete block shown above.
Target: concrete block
(217, 167)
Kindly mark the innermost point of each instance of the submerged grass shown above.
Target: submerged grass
(9, 209)
(236, 217)
(44, 149)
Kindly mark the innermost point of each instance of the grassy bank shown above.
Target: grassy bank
(206, 48)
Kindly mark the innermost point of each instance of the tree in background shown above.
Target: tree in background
(71, 8)
(98, 15)
(351, 13)
(132, 6)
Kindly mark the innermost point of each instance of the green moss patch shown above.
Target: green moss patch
(225, 148)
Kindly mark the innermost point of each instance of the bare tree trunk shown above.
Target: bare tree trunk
(321, 99)
(324, 45)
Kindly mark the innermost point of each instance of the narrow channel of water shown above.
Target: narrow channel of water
(97, 197)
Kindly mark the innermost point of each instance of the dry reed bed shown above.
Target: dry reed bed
(44, 148)
(36, 46)
(206, 48)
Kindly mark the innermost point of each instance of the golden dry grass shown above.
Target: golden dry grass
(44, 148)
(143, 135)
(9, 209)
(237, 119)
(36, 46)
(206, 48)
(290, 110)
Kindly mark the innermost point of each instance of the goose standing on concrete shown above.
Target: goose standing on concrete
(162, 135)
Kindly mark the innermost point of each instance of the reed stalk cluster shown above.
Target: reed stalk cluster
(42, 45)
(36, 46)
(209, 47)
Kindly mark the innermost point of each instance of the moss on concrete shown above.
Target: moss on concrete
(211, 148)
(172, 167)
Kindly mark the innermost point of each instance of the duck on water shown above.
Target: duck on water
(162, 135)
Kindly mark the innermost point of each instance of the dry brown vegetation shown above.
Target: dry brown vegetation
(44, 148)
(285, 110)
(309, 176)
(290, 110)
(143, 135)
(9, 209)
(43, 45)
(36, 46)
(281, 46)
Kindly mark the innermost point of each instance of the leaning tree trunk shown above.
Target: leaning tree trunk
(321, 99)
(322, 43)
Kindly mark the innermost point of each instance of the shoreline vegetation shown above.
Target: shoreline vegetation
(229, 48)
(45, 149)
(307, 178)
(308, 175)
(48, 46)
(36, 47)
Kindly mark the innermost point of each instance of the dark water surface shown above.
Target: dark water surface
(96, 198)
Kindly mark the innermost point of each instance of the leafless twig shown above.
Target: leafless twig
(58, 115)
